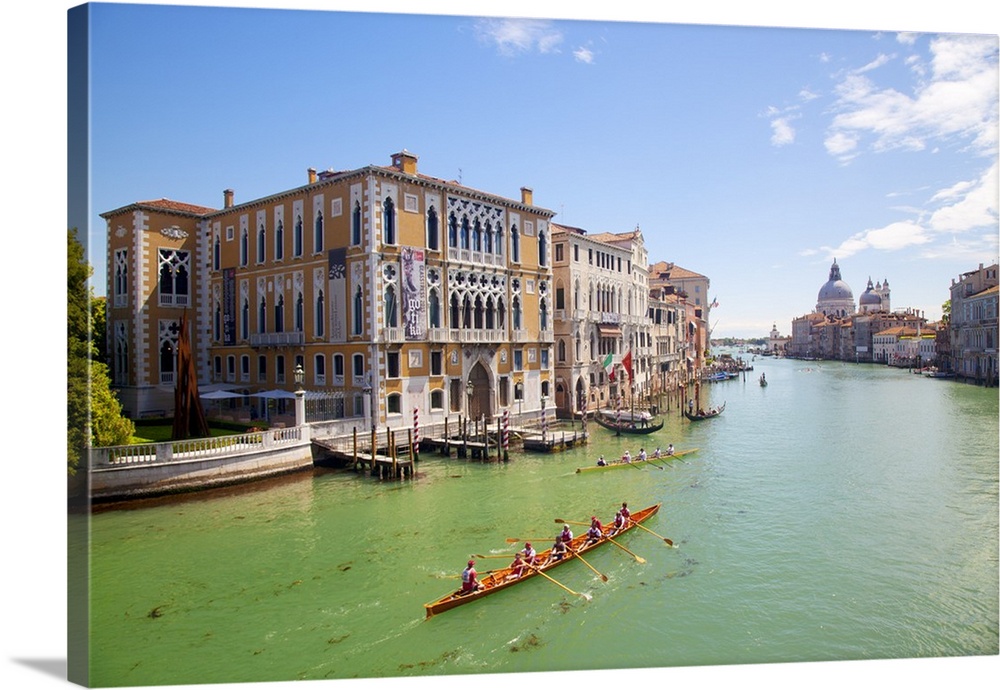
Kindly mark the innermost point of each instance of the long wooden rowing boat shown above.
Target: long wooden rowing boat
(649, 460)
(497, 579)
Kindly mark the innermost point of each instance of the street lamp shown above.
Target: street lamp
(519, 392)
(300, 395)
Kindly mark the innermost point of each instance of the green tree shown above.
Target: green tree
(94, 414)
(946, 311)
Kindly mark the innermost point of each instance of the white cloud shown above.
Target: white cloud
(975, 206)
(874, 64)
(959, 101)
(841, 144)
(585, 55)
(892, 237)
(907, 38)
(514, 36)
(782, 132)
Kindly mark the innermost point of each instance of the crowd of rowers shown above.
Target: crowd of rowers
(528, 558)
(641, 457)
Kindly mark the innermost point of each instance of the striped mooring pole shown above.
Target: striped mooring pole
(505, 437)
(416, 433)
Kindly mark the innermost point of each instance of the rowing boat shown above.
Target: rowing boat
(650, 460)
(497, 579)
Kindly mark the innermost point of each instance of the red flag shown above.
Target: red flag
(627, 363)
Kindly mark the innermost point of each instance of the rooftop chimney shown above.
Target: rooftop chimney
(227, 196)
(526, 196)
(404, 161)
(312, 175)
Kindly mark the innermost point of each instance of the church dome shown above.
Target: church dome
(835, 289)
(869, 297)
(835, 297)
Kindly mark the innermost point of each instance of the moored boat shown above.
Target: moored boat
(700, 415)
(630, 423)
(649, 460)
(497, 580)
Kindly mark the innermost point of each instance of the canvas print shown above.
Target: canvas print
(427, 347)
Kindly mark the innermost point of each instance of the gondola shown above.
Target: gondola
(695, 417)
(639, 423)
(497, 579)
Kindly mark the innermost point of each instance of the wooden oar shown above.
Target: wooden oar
(485, 572)
(599, 573)
(513, 540)
(493, 555)
(638, 558)
(639, 524)
(570, 522)
(547, 577)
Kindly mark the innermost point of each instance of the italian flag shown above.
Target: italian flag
(608, 366)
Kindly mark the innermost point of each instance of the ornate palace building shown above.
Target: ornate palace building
(602, 310)
(392, 290)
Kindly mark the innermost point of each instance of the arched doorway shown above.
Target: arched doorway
(481, 400)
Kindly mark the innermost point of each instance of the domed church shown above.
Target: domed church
(875, 298)
(835, 297)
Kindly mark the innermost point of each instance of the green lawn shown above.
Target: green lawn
(161, 433)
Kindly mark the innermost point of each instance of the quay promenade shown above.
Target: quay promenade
(155, 469)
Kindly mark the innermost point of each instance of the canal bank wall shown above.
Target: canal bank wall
(157, 469)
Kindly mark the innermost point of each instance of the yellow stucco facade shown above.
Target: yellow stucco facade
(393, 290)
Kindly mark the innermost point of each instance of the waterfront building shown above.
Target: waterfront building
(672, 360)
(973, 325)
(867, 324)
(393, 290)
(157, 258)
(601, 288)
(904, 346)
(693, 288)
(776, 343)
(836, 330)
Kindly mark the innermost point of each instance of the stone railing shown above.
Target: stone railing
(195, 449)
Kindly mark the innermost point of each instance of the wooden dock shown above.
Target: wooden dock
(554, 441)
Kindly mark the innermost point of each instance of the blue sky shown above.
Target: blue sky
(752, 155)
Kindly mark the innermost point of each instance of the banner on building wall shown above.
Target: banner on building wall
(229, 306)
(414, 303)
(337, 275)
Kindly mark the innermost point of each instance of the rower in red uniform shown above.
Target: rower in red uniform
(626, 513)
(470, 582)
(595, 532)
(528, 552)
(517, 567)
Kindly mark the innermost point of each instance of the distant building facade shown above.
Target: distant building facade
(973, 326)
(601, 287)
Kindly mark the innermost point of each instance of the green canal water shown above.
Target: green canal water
(844, 512)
